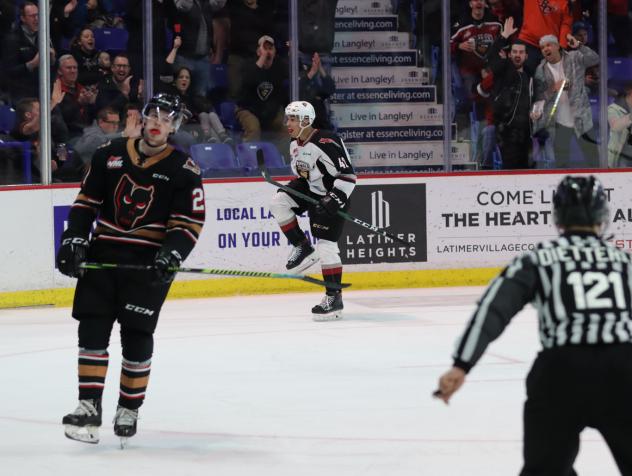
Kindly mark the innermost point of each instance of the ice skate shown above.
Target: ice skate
(302, 257)
(329, 309)
(83, 424)
(125, 424)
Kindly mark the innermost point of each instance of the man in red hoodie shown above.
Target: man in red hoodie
(544, 17)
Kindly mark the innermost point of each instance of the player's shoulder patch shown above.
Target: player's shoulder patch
(325, 139)
(192, 166)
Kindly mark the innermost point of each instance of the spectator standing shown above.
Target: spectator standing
(511, 97)
(620, 121)
(316, 31)
(21, 55)
(473, 34)
(250, 20)
(260, 104)
(540, 18)
(195, 20)
(573, 116)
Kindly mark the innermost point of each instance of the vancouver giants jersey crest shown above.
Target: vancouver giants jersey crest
(322, 159)
(580, 285)
(147, 202)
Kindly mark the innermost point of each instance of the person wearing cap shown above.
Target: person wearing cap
(262, 97)
(572, 116)
(249, 21)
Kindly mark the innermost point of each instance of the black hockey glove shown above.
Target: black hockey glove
(331, 203)
(71, 254)
(164, 262)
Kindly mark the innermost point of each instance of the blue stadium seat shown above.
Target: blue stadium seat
(620, 69)
(247, 156)
(113, 40)
(7, 119)
(216, 160)
(219, 75)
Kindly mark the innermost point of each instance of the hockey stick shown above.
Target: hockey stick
(221, 272)
(313, 201)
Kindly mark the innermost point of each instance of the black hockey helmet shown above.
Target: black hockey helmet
(169, 103)
(580, 201)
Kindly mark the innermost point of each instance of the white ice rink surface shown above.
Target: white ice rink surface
(251, 386)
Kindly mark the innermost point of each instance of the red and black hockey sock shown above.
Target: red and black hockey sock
(93, 366)
(134, 380)
(332, 273)
(293, 232)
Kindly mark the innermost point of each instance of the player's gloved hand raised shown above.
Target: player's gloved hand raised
(71, 254)
(164, 263)
(331, 203)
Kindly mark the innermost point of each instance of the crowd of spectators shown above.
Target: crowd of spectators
(526, 72)
(94, 92)
(522, 70)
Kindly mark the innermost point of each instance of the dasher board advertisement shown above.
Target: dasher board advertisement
(372, 115)
(371, 78)
(394, 154)
(384, 23)
(393, 134)
(363, 8)
(371, 41)
(374, 58)
(423, 94)
(475, 221)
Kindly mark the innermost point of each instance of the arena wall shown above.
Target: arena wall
(461, 228)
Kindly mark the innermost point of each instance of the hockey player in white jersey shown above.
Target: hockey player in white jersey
(323, 169)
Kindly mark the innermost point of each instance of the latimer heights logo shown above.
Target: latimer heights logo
(398, 209)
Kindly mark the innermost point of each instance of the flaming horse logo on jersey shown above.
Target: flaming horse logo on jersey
(131, 201)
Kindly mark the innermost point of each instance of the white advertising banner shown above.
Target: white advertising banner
(371, 78)
(480, 223)
(450, 221)
(363, 8)
(370, 115)
(405, 154)
(352, 41)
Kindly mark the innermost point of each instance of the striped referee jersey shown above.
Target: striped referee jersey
(580, 285)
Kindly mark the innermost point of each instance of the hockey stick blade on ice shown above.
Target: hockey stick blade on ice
(313, 201)
(219, 272)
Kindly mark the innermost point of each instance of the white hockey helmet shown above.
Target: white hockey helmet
(303, 110)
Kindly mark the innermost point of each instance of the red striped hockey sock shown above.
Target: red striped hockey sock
(134, 380)
(93, 366)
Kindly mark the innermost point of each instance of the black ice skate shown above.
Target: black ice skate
(329, 309)
(83, 424)
(301, 257)
(125, 423)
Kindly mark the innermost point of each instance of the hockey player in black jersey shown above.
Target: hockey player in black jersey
(148, 203)
(324, 171)
(581, 288)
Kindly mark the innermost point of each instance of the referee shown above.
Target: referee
(581, 288)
